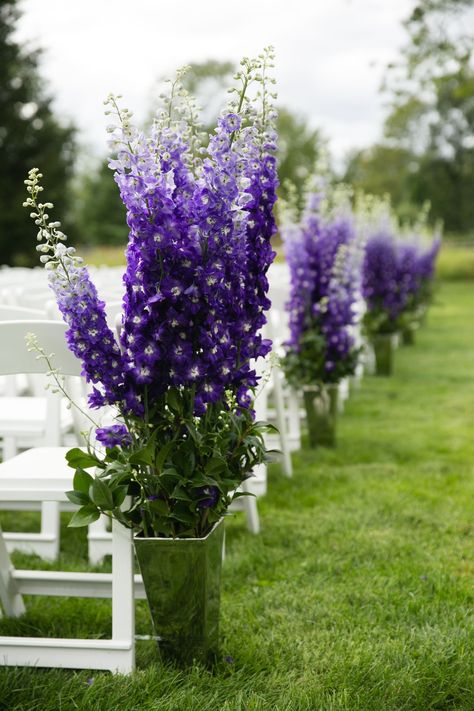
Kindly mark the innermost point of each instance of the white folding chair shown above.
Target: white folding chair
(42, 474)
(29, 421)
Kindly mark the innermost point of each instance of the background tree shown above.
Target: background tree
(30, 135)
(99, 213)
(428, 147)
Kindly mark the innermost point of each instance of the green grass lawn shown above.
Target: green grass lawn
(357, 595)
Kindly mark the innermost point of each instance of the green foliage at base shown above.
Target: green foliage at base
(357, 595)
(307, 366)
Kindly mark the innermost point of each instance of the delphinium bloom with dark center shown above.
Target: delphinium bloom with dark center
(201, 223)
(324, 256)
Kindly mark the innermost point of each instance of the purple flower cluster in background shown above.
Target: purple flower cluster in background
(324, 257)
(396, 276)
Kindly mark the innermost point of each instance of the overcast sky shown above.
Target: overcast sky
(330, 54)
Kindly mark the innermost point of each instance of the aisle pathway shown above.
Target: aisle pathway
(359, 591)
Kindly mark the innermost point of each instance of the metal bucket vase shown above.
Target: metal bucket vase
(182, 579)
(408, 336)
(321, 415)
(384, 348)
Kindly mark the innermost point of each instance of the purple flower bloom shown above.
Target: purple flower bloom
(113, 436)
(208, 497)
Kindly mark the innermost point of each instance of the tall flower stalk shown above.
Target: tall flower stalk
(324, 255)
(181, 375)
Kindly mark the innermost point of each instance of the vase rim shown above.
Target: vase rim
(170, 540)
(319, 388)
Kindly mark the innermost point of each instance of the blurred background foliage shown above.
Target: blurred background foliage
(427, 149)
(426, 152)
(30, 135)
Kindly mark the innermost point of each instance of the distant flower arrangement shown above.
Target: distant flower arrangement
(324, 255)
(181, 377)
(397, 280)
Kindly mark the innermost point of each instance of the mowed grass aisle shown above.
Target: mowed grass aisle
(359, 592)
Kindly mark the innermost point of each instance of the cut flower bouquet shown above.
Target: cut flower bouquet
(180, 376)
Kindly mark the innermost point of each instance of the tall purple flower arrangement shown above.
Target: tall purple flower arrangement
(397, 278)
(181, 376)
(324, 256)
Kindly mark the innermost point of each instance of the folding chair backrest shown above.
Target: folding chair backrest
(20, 313)
(113, 312)
(34, 383)
(15, 357)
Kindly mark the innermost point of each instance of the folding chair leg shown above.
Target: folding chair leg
(294, 429)
(123, 599)
(281, 422)
(249, 504)
(99, 541)
(9, 448)
(50, 526)
(10, 598)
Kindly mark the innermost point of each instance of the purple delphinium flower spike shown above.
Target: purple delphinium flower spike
(324, 257)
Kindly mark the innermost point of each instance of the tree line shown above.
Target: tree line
(426, 152)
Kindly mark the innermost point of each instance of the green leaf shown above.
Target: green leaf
(145, 455)
(174, 401)
(119, 495)
(82, 481)
(215, 465)
(77, 459)
(197, 436)
(78, 497)
(181, 514)
(162, 455)
(101, 495)
(84, 516)
(180, 494)
(160, 507)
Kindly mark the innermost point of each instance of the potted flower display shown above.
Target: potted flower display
(324, 256)
(397, 277)
(421, 261)
(180, 376)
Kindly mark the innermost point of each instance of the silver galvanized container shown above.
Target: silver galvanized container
(182, 579)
